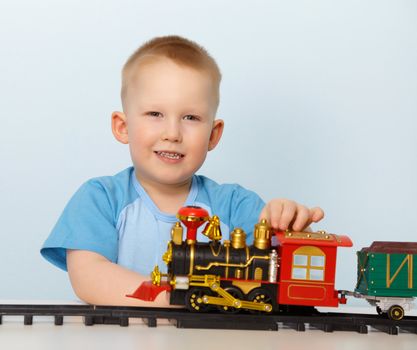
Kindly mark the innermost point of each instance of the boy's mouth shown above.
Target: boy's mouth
(169, 155)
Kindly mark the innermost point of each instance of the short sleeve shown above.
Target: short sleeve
(87, 223)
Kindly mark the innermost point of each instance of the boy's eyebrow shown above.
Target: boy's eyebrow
(185, 110)
(151, 108)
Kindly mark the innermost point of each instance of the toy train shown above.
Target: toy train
(279, 272)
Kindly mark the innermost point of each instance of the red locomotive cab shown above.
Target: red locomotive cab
(308, 268)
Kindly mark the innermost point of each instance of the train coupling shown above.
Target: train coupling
(342, 296)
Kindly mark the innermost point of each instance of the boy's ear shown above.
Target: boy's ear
(216, 133)
(119, 127)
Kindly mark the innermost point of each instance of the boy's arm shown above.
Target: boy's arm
(98, 281)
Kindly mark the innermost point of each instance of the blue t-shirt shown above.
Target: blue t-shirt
(114, 216)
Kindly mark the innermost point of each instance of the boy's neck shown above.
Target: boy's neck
(169, 198)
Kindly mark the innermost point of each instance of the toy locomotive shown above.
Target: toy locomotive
(280, 271)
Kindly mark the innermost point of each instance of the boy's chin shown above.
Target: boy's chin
(165, 178)
(175, 181)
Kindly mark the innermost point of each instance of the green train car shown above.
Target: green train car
(386, 277)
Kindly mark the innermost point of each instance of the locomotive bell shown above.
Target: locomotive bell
(262, 235)
(192, 217)
(212, 229)
(238, 237)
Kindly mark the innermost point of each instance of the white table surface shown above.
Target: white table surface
(43, 334)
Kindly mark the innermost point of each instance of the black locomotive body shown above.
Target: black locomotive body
(214, 258)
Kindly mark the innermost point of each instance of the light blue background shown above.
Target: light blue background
(319, 100)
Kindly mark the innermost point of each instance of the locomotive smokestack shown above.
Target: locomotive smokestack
(192, 217)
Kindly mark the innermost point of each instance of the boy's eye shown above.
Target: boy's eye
(154, 114)
(190, 117)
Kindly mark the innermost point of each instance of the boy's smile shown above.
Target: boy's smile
(168, 121)
(171, 157)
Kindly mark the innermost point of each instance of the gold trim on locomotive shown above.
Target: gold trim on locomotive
(242, 266)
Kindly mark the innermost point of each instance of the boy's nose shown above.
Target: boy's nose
(172, 131)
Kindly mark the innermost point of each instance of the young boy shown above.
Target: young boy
(115, 228)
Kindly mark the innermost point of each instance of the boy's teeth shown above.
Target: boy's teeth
(170, 155)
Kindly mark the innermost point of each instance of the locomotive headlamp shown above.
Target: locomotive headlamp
(176, 233)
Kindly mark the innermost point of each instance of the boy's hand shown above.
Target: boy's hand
(283, 214)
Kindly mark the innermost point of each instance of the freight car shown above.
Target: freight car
(280, 272)
(386, 277)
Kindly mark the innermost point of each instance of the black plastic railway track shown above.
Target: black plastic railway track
(328, 322)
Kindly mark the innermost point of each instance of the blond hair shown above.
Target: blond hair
(180, 50)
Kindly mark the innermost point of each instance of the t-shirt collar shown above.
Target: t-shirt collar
(192, 195)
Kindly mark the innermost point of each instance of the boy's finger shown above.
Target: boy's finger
(287, 215)
(276, 212)
(272, 213)
(302, 219)
(264, 213)
(316, 214)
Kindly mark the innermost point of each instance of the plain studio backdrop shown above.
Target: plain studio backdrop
(319, 100)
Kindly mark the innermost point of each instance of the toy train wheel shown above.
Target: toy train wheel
(395, 313)
(260, 295)
(235, 293)
(194, 299)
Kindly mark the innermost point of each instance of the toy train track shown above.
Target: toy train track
(328, 322)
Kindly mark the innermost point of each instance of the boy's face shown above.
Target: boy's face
(168, 121)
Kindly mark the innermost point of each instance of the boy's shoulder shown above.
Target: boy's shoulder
(122, 178)
(117, 190)
(235, 205)
(211, 185)
(223, 193)
(118, 184)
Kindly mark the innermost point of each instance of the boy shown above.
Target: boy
(114, 229)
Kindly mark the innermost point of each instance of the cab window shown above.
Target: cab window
(308, 264)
